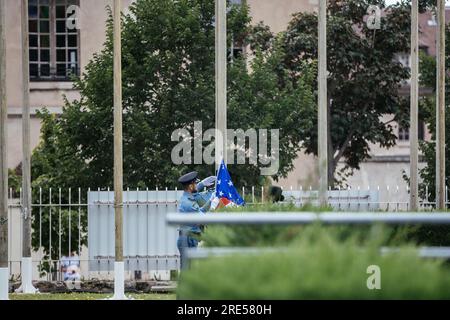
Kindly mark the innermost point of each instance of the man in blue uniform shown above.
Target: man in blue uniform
(196, 199)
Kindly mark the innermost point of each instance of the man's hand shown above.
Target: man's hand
(208, 182)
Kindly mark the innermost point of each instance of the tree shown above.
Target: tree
(364, 77)
(428, 114)
(56, 168)
(168, 79)
(431, 235)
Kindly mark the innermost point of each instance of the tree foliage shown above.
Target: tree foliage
(364, 77)
(168, 83)
(428, 113)
(168, 64)
(168, 80)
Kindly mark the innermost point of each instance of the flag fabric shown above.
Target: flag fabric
(225, 190)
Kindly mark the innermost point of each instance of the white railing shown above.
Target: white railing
(66, 211)
(301, 218)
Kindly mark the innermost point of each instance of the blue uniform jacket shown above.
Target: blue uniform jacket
(198, 202)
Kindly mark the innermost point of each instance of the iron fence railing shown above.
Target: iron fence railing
(60, 217)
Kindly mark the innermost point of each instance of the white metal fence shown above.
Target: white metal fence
(148, 243)
(82, 220)
(305, 218)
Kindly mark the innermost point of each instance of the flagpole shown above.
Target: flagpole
(440, 108)
(414, 148)
(119, 267)
(4, 270)
(221, 81)
(322, 106)
(27, 264)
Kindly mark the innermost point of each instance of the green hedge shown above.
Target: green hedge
(270, 235)
(319, 265)
(428, 235)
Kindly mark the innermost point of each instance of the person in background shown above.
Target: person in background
(70, 267)
(196, 198)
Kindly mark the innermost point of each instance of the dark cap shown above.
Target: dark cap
(188, 178)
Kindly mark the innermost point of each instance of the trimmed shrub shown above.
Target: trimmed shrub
(318, 266)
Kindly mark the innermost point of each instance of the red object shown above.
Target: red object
(225, 201)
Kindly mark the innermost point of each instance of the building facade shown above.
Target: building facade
(58, 51)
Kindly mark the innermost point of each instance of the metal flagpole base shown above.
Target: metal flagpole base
(27, 278)
(119, 282)
(4, 284)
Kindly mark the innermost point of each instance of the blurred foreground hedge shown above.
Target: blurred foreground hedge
(318, 265)
(263, 235)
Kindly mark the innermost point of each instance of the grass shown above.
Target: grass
(87, 296)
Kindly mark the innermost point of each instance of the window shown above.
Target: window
(432, 22)
(236, 51)
(237, 48)
(403, 134)
(424, 49)
(421, 130)
(54, 48)
(404, 59)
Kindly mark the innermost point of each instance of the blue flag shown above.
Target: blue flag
(225, 189)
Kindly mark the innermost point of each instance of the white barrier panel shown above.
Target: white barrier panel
(337, 199)
(149, 243)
